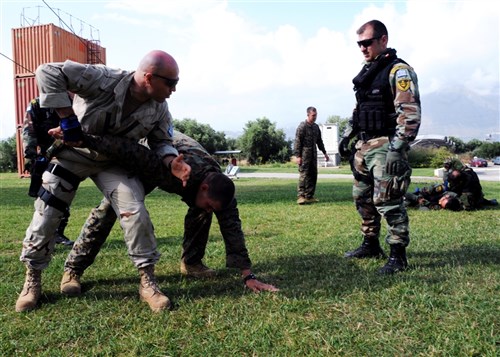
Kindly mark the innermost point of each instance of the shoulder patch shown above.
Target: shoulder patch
(403, 79)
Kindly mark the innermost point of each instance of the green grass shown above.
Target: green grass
(446, 305)
(292, 168)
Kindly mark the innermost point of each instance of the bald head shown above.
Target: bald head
(157, 62)
(156, 77)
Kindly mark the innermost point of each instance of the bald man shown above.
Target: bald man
(107, 102)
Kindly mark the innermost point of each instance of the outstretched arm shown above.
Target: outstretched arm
(255, 285)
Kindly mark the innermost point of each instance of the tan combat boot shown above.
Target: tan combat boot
(149, 290)
(70, 284)
(301, 200)
(311, 200)
(199, 270)
(32, 290)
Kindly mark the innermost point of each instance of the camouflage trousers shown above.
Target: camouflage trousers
(197, 225)
(308, 177)
(92, 236)
(377, 194)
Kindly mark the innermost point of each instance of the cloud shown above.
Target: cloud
(235, 68)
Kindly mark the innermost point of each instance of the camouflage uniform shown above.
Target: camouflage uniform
(154, 173)
(426, 197)
(307, 137)
(37, 123)
(376, 193)
(463, 181)
(39, 144)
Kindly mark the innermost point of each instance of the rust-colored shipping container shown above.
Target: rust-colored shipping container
(34, 45)
(25, 89)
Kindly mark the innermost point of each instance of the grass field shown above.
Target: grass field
(447, 304)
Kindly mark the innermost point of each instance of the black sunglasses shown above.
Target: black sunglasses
(368, 42)
(168, 81)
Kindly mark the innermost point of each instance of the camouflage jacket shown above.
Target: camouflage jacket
(139, 160)
(307, 137)
(468, 188)
(150, 169)
(37, 123)
(426, 197)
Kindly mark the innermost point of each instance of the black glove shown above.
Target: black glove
(37, 169)
(344, 150)
(395, 164)
(28, 162)
(72, 130)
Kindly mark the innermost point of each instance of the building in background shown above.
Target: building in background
(330, 136)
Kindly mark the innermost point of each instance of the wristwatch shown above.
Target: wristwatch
(250, 276)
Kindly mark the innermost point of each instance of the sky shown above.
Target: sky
(243, 60)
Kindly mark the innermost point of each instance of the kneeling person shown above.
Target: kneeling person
(207, 191)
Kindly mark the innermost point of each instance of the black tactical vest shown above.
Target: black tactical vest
(376, 115)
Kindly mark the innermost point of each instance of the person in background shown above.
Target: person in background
(307, 138)
(107, 102)
(38, 151)
(386, 119)
(207, 192)
(464, 182)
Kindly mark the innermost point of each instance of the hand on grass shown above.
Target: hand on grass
(258, 286)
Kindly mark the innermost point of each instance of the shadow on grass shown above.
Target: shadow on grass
(299, 277)
(473, 254)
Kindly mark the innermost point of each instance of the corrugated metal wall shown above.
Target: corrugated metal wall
(32, 46)
(25, 89)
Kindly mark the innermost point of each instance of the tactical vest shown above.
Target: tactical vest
(376, 115)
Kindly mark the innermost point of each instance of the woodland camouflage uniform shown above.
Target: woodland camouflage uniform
(307, 137)
(386, 119)
(153, 173)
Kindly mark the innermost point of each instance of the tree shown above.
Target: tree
(341, 122)
(261, 142)
(487, 150)
(210, 139)
(459, 147)
(8, 155)
(473, 145)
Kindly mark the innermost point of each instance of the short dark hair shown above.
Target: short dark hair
(379, 28)
(220, 188)
(453, 204)
(310, 109)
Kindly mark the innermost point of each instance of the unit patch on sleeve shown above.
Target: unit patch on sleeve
(403, 79)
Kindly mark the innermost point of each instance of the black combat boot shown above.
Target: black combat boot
(370, 248)
(60, 237)
(397, 261)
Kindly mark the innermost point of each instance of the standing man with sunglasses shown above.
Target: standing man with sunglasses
(107, 102)
(386, 119)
